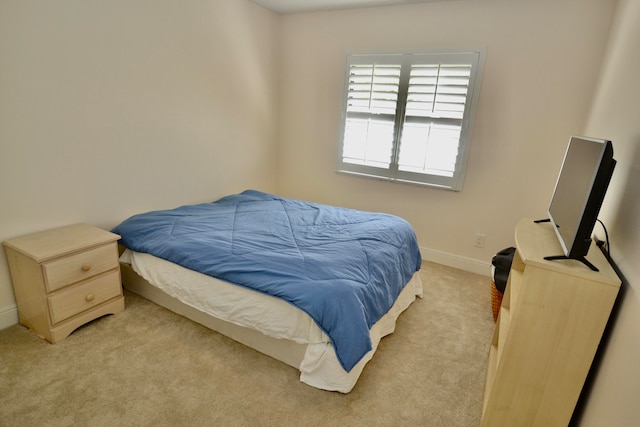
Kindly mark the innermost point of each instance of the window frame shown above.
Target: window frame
(474, 56)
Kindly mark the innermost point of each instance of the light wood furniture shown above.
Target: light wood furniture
(64, 278)
(550, 324)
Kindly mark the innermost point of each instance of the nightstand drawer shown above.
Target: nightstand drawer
(77, 299)
(71, 269)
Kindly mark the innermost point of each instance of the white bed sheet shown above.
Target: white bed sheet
(271, 316)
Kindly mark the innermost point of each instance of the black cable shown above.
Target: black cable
(606, 235)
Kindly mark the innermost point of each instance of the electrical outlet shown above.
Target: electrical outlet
(479, 242)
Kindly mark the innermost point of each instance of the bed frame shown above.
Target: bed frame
(320, 376)
(283, 350)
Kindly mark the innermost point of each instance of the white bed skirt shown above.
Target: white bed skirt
(265, 323)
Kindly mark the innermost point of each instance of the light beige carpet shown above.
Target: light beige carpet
(150, 367)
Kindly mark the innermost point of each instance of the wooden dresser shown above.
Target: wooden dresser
(550, 324)
(64, 278)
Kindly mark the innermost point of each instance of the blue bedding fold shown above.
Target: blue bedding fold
(343, 267)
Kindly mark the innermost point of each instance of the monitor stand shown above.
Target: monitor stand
(581, 259)
(555, 257)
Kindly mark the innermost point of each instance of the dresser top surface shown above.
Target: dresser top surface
(538, 240)
(60, 241)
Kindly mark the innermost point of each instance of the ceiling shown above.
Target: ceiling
(297, 6)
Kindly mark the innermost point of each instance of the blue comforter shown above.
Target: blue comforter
(343, 267)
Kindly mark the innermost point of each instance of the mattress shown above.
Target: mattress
(266, 323)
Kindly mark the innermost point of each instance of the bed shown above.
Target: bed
(311, 285)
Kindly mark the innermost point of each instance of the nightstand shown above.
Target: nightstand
(64, 278)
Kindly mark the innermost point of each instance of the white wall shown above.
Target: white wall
(613, 400)
(543, 59)
(110, 108)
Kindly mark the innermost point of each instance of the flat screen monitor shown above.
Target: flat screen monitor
(579, 192)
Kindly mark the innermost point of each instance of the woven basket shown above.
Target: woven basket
(496, 300)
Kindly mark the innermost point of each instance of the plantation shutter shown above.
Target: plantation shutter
(372, 101)
(405, 116)
(436, 100)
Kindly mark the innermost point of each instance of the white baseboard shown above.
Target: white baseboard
(455, 261)
(8, 316)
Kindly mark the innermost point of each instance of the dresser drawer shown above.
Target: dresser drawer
(81, 297)
(64, 271)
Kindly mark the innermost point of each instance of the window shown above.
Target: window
(407, 117)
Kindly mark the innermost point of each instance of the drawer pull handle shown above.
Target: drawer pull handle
(89, 297)
(86, 267)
